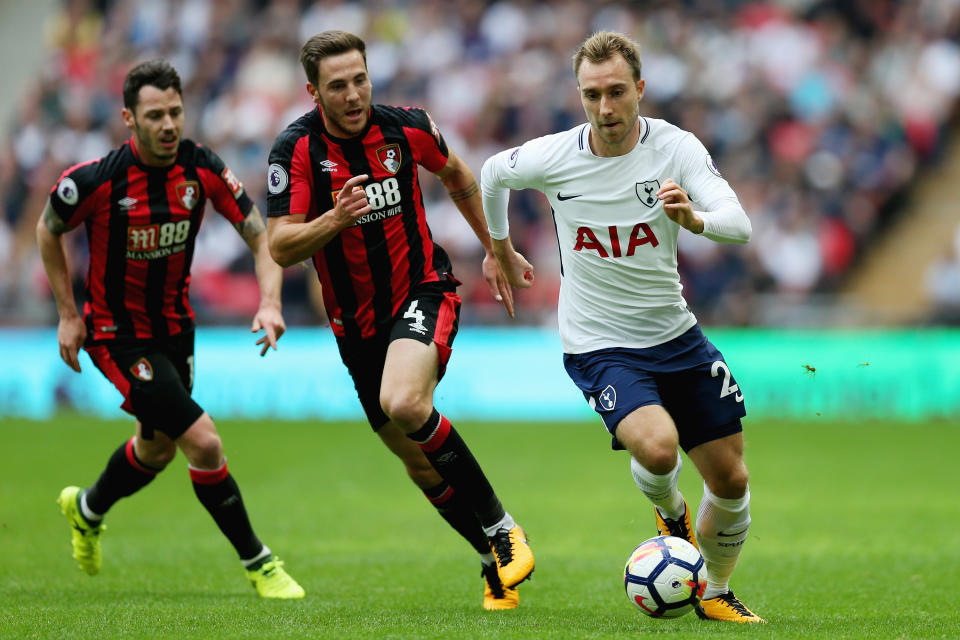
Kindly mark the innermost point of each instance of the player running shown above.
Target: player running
(620, 188)
(343, 190)
(142, 205)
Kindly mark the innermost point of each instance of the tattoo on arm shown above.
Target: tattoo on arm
(251, 226)
(465, 194)
(54, 224)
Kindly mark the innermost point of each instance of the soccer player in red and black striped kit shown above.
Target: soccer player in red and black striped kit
(142, 205)
(343, 189)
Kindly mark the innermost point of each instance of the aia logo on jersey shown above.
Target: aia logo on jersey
(389, 157)
(232, 181)
(189, 194)
(639, 235)
(647, 192)
(142, 370)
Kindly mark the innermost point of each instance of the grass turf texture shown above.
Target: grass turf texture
(855, 535)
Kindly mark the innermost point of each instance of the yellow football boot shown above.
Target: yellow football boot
(726, 607)
(495, 596)
(514, 556)
(271, 581)
(85, 538)
(680, 528)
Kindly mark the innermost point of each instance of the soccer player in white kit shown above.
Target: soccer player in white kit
(620, 188)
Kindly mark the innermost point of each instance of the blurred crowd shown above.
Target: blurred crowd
(819, 114)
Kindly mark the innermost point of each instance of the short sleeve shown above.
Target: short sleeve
(222, 187)
(289, 184)
(73, 197)
(426, 143)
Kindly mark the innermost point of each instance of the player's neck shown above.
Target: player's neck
(611, 150)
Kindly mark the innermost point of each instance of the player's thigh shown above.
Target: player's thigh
(431, 316)
(364, 359)
(615, 387)
(410, 368)
(418, 467)
(150, 377)
(720, 463)
(650, 436)
(704, 401)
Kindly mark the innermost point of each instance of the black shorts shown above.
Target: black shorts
(430, 314)
(155, 378)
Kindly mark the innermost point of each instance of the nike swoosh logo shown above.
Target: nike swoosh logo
(562, 198)
(730, 535)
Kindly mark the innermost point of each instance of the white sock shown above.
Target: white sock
(487, 559)
(660, 489)
(88, 514)
(505, 523)
(265, 553)
(722, 526)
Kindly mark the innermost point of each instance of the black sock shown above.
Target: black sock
(458, 515)
(449, 455)
(123, 476)
(219, 493)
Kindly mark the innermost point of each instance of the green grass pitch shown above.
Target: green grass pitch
(856, 534)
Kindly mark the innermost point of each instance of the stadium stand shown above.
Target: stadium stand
(821, 114)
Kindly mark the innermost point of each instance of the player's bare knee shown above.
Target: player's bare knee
(408, 408)
(661, 459)
(732, 485)
(155, 454)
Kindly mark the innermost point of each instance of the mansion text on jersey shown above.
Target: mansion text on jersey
(374, 216)
(162, 252)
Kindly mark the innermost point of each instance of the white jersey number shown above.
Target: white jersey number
(726, 389)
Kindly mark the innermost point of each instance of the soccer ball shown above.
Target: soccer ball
(665, 577)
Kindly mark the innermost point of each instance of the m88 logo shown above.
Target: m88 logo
(154, 236)
(380, 194)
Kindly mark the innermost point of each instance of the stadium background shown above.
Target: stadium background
(833, 121)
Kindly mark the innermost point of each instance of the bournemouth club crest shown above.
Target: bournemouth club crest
(647, 192)
(389, 157)
(142, 370)
(189, 194)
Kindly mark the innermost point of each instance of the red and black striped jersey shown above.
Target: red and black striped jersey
(142, 224)
(367, 270)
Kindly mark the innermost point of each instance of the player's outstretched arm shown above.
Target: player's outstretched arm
(292, 240)
(269, 317)
(461, 184)
(71, 331)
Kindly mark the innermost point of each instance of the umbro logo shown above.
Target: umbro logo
(561, 198)
(328, 165)
(127, 203)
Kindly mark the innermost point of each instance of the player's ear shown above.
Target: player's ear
(128, 118)
(314, 93)
(641, 83)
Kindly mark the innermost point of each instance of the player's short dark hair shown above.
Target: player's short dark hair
(603, 45)
(153, 73)
(326, 44)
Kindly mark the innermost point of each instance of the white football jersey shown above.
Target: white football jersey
(618, 249)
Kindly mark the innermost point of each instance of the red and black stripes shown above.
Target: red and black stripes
(141, 225)
(367, 270)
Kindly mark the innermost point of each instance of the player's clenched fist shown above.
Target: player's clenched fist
(351, 201)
